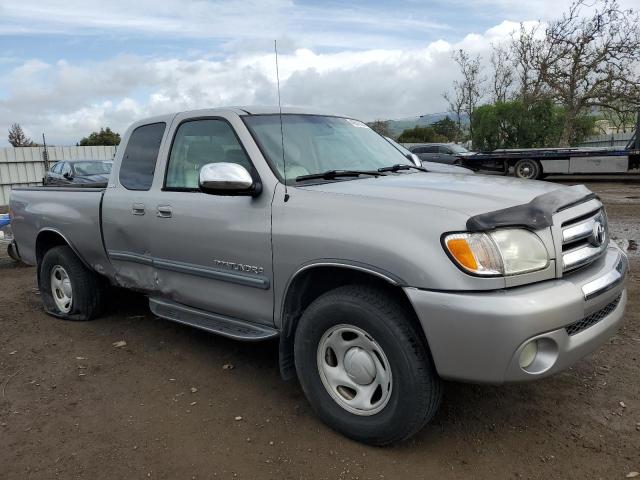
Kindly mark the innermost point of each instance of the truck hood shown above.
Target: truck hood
(445, 168)
(468, 194)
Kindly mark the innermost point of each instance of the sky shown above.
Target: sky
(69, 67)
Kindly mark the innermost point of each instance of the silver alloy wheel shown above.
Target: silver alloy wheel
(354, 370)
(61, 289)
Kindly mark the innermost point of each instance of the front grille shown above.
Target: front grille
(591, 320)
(584, 239)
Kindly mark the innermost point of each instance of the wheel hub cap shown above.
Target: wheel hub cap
(354, 370)
(359, 366)
(61, 289)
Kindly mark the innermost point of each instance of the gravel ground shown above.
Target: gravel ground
(174, 402)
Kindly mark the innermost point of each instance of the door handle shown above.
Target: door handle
(137, 209)
(164, 211)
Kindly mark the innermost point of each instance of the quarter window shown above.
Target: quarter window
(197, 143)
(139, 159)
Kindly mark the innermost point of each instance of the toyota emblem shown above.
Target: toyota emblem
(598, 235)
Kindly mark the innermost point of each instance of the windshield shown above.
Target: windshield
(317, 143)
(92, 168)
(404, 150)
(457, 148)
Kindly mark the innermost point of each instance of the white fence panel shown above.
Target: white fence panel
(608, 140)
(24, 166)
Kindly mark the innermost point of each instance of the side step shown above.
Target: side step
(211, 322)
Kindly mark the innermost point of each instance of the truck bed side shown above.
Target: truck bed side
(74, 214)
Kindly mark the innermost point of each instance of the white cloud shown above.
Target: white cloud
(67, 100)
(382, 61)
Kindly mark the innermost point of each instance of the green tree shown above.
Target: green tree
(420, 134)
(514, 124)
(105, 136)
(448, 129)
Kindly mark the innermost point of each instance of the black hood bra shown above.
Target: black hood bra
(534, 215)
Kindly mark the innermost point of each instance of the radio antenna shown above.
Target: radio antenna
(284, 162)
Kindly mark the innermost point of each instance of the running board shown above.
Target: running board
(226, 326)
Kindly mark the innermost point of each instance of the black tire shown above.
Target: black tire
(528, 169)
(416, 389)
(88, 289)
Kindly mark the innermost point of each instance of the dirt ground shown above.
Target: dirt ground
(175, 402)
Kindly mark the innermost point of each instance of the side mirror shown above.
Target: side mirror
(68, 176)
(227, 179)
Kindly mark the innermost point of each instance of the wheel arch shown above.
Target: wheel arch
(49, 238)
(313, 280)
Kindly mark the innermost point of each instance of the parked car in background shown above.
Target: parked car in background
(69, 172)
(430, 166)
(448, 153)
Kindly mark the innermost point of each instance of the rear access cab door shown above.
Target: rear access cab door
(128, 210)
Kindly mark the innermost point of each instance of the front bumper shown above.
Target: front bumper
(478, 336)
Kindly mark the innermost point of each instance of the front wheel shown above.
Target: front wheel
(528, 168)
(365, 367)
(68, 288)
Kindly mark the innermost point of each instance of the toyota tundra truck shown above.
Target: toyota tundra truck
(379, 278)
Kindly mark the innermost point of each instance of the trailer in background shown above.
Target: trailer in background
(535, 163)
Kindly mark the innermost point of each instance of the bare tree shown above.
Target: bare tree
(17, 138)
(502, 80)
(620, 116)
(591, 61)
(467, 92)
(526, 53)
(456, 103)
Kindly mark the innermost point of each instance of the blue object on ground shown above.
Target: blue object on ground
(4, 220)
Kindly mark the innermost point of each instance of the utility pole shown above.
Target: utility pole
(45, 154)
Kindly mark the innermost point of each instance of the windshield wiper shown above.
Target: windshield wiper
(331, 174)
(401, 166)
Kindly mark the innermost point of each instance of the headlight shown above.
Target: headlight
(501, 252)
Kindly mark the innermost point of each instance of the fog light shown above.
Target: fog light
(528, 354)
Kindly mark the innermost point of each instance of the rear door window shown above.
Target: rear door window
(140, 157)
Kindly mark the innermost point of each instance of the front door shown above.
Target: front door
(212, 252)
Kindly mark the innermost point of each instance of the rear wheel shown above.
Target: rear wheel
(365, 367)
(528, 168)
(69, 290)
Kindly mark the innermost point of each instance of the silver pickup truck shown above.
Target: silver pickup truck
(378, 278)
